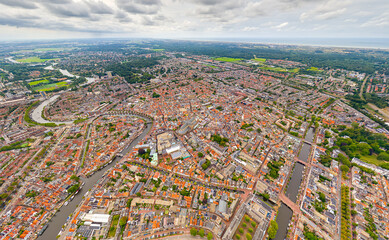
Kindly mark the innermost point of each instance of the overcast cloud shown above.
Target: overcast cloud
(24, 19)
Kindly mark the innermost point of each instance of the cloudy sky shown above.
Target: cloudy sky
(32, 19)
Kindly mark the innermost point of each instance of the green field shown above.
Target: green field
(38, 82)
(50, 87)
(227, 59)
(209, 65)
(313, 69)
(279, 69)
(32, 60)
(372, 159)
(259, 59)
(158, 50)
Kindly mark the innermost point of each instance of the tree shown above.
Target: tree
(344, 168)
(200, 155)
(193, 232)
(209, 236)
(129, 202)
(273, 228)
(201, 233)
(248, 236)
(383, 156)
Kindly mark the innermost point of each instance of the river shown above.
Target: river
(36, 114)
(68, 74)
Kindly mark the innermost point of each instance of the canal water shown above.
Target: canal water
(285, 213)
(304, 152)
(283, 218)
(295, 182)
(60, 218)
(310, 134)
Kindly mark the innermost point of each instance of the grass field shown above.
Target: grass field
(158, 50)
(50, 87)
(259, 59)
(209, 65)
(372, 159)
(314, 69)
(227, 59)
(279, 69)
(114, 223)
(38, 82)
(32, 60)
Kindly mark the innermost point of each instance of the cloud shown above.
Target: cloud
(99, 7)
(19, 3)
(282, 25)
(378, 21)
(327, 10)
(249, 29)
(139, 6)
(69, 10)
(160, 18)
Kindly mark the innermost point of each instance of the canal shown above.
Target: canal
(283, 218)
(295, 182)
(285, 213)
(60, 218)
(304, 152)
(310, 134)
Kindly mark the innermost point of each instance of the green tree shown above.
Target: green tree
(209, 236)
(201, 233)
(273, 228)
(193, 232)
(248, 236)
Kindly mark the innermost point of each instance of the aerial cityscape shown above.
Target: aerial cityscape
(106, 135)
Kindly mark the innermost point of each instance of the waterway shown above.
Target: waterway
(304, 152)
(68, 74)
(310, 134)
(295, 182)
(283, 218)
(36, 114)
(285, 213)
(60, 218)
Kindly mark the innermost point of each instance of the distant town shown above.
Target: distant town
(158, 139)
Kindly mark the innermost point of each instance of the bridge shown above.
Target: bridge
(292, 205)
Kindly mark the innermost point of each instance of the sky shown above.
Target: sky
(185, 19)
